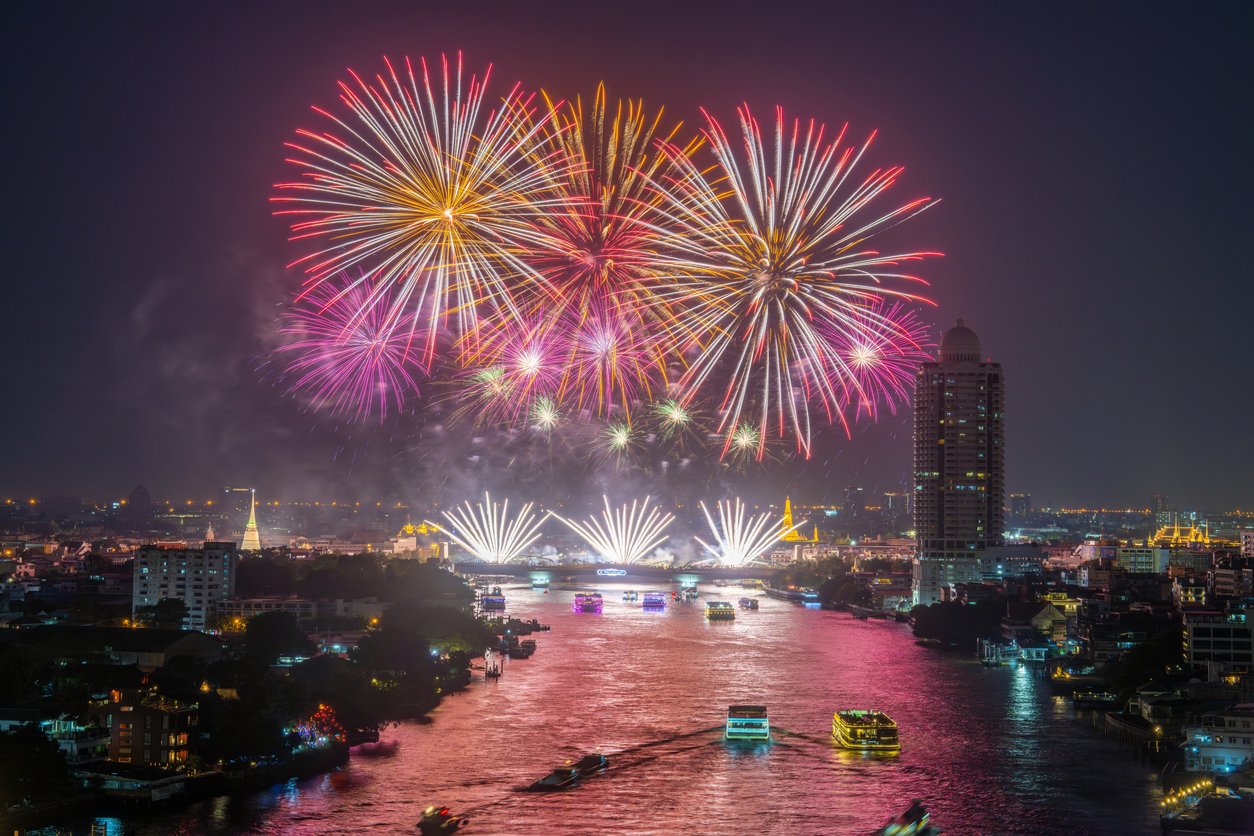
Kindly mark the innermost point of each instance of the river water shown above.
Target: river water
(989, 751)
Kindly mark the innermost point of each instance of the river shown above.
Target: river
(989, 751)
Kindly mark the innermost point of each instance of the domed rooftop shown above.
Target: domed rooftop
(960, 345)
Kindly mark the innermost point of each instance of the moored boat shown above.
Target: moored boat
(865, 731)
(798, 595)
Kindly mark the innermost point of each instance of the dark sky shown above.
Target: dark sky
(1093, 160)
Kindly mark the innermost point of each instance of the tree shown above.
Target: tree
(168, 613)
(273, 634)
(32, 768)
(260, 576)
(957, 624)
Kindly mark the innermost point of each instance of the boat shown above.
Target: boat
(655, 600)
(611, 573)
(587, 602)
(631, 595)
(558, 779)
(522, 650)
(867, 612)
(540, 583)
(994, 653)
(865, 731)
(798, 595)
(494, 600)
(913, 822)
(720, 611)
(688, 593)
(440, 820)
(591, 763)
(1094, 699)
(720, 582)
(747, 722)
(491, 664)
(748, 603)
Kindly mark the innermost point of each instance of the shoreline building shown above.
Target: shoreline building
(959, 467)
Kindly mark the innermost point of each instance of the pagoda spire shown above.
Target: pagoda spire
(252, 538)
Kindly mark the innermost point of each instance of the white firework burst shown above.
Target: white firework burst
(487, 530)
(625, 534)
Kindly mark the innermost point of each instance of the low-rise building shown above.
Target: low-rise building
(1223, 643)
(1222, 742)
(148, 729)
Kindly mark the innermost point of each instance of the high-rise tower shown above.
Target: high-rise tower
(959, 464)
(252, 538)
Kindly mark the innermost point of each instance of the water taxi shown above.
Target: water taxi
(720, 611)
(611, 573)
(655, 600)
(913, 822)
(631, 595)
(688, 593)
(540, 584)
(865, 731)
(587, 602)
(441, 820)
(747, 722)
(748, 603)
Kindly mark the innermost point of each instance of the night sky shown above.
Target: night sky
(1093, 162)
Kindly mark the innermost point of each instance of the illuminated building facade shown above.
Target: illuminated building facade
(1021, 507)
(148, 729)
(200, 578)
(959, 464)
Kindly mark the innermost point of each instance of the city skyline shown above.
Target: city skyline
(174, 393)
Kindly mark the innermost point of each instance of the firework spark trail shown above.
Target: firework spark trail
(435, 196)
(487, 530)
(739, 540)
(600, 258)
(771, 244)
(881, 355)
(353, 364)
(624, 535)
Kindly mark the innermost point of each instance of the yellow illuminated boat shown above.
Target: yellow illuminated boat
(865, 731)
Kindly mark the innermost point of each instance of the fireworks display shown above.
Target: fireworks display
(552, 265)
(345, 355)
(740, 540)
(487, 530)
(626, 534)
(776, 273)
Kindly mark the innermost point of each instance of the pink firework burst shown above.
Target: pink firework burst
(348, 357)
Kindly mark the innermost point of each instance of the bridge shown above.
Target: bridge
(587, 572)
